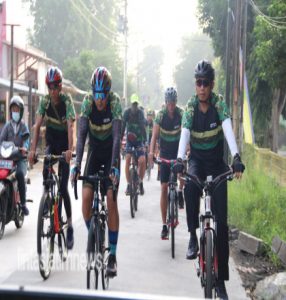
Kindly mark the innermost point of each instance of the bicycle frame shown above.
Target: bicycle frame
(207, 268)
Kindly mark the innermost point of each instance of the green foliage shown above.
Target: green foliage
(194, 48)
(80, 69)
(257, 204)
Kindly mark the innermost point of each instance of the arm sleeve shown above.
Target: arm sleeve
(81, 137)
(229, 135)
(184, 141)
(142, 125)
(116, 134)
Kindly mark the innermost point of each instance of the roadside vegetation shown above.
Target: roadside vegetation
(257, 204)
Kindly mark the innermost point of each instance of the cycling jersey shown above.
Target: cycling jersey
(56, 117)
(170, 131)
(100, 122)
(135, 123)
(206, 134)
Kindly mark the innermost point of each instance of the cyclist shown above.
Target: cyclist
(17, 131)
(58, 110)
(205, 122)
(168, 127)
(134, 122)
(101, 118)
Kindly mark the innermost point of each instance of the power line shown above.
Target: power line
(91, 24)
(97, 20)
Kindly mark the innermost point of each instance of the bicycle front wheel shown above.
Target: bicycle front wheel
(45, 236)
(105, 254)
(172, 220)
(208, 288)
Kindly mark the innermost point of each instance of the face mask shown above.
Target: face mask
(15, 116)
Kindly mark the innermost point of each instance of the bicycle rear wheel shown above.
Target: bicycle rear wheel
(92, 255)
(172, 221)
(208, 287)
(45, 236)
(3, 211)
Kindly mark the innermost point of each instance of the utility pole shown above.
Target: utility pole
(227, 88)
(125, 55)
(236, 69)
(12, 58)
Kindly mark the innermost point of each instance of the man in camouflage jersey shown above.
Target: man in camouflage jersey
(58, 110)
(206, 121)
(101, 117)
(168, 128)
(134, 122)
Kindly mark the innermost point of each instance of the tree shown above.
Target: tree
(63, 28)
(80, 69)
(270, 56)
(149, 76)
(193, 49)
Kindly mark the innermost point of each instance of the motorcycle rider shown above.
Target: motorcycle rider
(15, 130)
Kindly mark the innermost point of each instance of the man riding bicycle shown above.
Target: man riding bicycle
(134, 122)
(58, 110)
(206, 121)
(168, 127)
(101, 118)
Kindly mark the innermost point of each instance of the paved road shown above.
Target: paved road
(144, 261)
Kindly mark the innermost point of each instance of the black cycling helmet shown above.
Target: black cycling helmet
(170, 95)
(204, 69)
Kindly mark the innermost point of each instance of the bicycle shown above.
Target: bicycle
(97, 251)
(207, 268)
(134, 184)
(172, 207)
(51, 222)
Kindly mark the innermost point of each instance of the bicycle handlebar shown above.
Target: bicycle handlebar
(160, 161)
(214, 183)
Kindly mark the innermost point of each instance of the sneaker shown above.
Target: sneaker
(221, 290)
(25, 209)
(165, 233)
(193, 248)
(70, 239)
(127, 192)
(181, 199)
(141, 188)
(111, 269)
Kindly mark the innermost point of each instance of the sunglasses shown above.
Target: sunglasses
(203, 82)
(53, 87)
(99, 96)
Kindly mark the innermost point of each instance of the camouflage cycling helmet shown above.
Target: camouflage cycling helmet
(170, 95)
(18, 101)
(54, 76)
(204, 69)
(101, 80)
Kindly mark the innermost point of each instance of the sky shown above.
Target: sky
(160, 22)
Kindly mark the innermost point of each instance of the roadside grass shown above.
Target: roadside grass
(257, 205)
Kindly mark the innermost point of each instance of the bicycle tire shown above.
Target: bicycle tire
(62, 235)
(208, 287)
(132, 193)
(172, 221)
(91, 282)
(3, 212)
(105, 254)
(19, 220)
(44, 214)
(136, 183)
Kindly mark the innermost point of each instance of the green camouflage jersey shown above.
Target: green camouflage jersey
(100, 122)
(56, 118)
(170, 132)
(206, 139)
(135, 124)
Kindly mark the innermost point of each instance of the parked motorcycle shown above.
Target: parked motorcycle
(10, 209)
